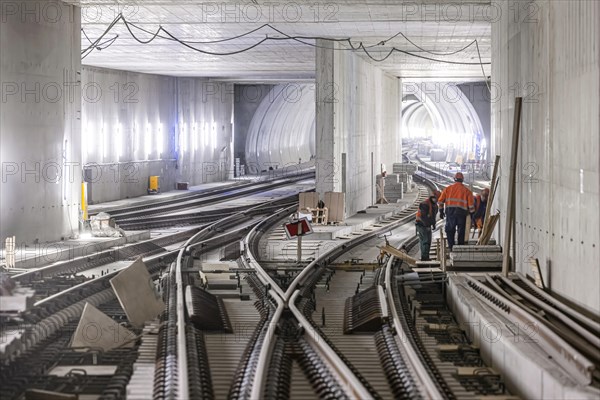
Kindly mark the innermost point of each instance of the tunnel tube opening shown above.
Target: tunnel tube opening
(442, 117)
(280, 131)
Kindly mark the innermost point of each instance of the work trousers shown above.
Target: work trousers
(424, 234)
(456, 219)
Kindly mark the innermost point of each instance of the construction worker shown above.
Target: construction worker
(480, 207)
(425, 222)
(455, 203)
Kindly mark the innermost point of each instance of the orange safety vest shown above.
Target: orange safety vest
(430, 214)
(459, 196)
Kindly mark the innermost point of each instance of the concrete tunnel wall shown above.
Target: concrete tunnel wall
(553, 58)
(357, 124)
(40, 124)
(144, 124)
(282, 130)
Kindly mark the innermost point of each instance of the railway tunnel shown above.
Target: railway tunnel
(227, 200)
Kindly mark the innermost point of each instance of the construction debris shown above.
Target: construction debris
(104, 226)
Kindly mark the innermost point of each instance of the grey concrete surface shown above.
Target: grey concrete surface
(357, 125)
(554, 63)
(40, 149)
(246, 100)
(137, 125)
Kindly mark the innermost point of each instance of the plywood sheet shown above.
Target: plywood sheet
(136, 293)
(98, 330)
(308, 200)
(336, 203)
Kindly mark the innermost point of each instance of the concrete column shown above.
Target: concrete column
(40, 109)
(328, 171)
(357, 124)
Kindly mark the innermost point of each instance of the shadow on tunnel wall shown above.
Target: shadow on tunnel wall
(274, 125)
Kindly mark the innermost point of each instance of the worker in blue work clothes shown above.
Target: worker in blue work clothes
(425, 223)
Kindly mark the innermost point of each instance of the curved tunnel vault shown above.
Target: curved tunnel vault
(444, 114)
(282, 130)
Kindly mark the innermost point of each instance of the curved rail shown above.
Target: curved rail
(565, 354)
(349, 380)
(345, 376)
(429, 386)
(190, 245)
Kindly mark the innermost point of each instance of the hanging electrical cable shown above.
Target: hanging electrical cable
(300, 39)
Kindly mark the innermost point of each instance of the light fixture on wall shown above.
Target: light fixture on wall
(148, 140)
(88, 140)
(159, 141)
(104, 136)
(135, 139)
(213, 135)
(195, 136)
(205, 133)
(119, 141)
(183, 142)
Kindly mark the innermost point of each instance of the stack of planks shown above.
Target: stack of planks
(475, 258)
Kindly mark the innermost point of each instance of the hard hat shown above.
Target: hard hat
(459, 177)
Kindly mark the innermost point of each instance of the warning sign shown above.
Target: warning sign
(299, 227)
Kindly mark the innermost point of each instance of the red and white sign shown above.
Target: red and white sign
(301, 225)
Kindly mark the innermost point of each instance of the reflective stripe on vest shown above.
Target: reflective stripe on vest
(457, 196)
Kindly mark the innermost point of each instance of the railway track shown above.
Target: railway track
(49, 325)
(284, 335)
(130, 216)
(573, 337)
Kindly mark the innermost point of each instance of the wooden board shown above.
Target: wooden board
(536, 272)
(400, 254)
(335, 202)
(308, 200)
(136, 293)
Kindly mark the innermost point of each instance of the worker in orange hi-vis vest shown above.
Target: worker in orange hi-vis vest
(480, 207)
(455, 203)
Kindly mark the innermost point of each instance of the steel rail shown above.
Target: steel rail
(592, 325)
(259, 378)
(205, 201)
(591, 337)
(428, 385)
(345, 376)
(191, 245)
(564, 354)
(118, 211)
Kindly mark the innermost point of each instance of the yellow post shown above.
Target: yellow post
(84, 205)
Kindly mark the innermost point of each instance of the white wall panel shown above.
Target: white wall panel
(127, 118)
(359, 116)
(552, 60)
(205, 122)
(39, 121)
(137, 125)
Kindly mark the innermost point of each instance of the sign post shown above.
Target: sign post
(298, 228)
(299, 252)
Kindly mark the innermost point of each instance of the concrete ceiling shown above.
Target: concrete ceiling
(442, 26)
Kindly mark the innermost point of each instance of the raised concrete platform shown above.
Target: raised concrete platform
(361, 221)
(38, 255)
(277, 248)
(512, 350)
(152, 198)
